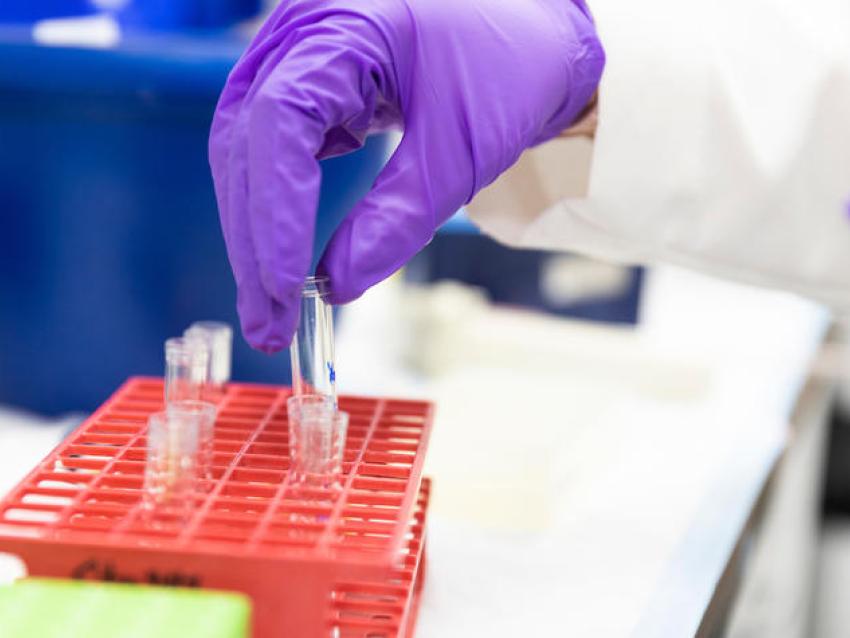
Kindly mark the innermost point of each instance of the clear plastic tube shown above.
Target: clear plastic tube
(186, 369)
(171, 468)
(312, 350)
(339, 433)
(204, 413)
(317, 433)
(219, 338)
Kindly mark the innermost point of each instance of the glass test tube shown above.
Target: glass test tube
(317, 434)
(171, 469)
(186, 369)
(219, 338)
(312, 350)
(204, 414)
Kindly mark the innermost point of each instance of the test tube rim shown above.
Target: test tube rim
(316, 286)
(210, 325)
(320, 400)
(182, 345)
(165, 417)
(187, 405)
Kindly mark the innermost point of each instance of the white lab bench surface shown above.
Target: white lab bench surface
(591, 481)
(25, 439)
(588, 481)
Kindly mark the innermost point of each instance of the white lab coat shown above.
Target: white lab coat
(723, 145)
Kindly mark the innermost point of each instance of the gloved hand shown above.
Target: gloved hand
(472, 83)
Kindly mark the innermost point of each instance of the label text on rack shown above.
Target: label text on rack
(92, 569)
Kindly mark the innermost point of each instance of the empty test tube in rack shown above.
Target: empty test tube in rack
(171, 472)
(186, 368)
(219, 339)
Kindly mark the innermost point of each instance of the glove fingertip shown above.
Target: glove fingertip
(336, 265)
(357, 258)
(267, 325)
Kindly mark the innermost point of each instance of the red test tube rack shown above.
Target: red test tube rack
(347, 563)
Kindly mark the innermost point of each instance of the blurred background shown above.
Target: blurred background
(681, 437)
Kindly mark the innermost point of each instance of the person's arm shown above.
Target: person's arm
(722, 144)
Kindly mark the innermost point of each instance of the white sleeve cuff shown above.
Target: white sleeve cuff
(723, 144)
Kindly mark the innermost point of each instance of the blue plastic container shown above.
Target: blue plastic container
(512, 277)
(110, 239)
(154, 15)
(186, 14)
(22, 11)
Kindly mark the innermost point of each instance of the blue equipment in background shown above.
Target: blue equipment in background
(515, 277)
(185, 14)
(24, 11)
(110, 240)
(143, 14)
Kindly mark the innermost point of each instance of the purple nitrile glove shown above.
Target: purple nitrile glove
(472, 83)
